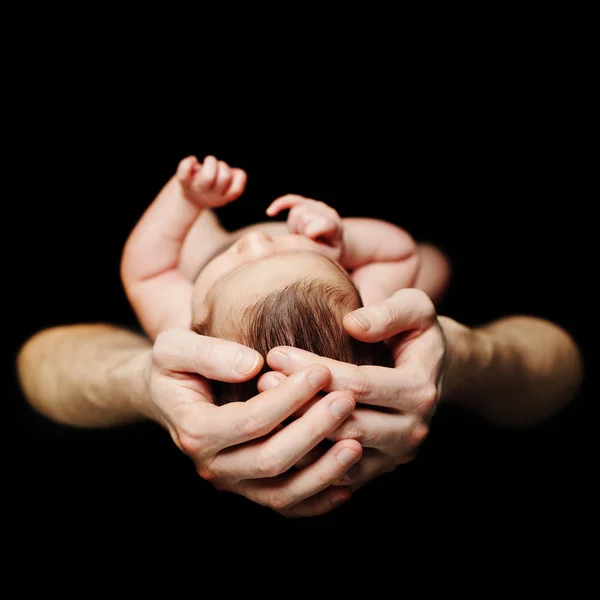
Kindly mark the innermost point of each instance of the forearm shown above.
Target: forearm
(514, 371)
(86, 375)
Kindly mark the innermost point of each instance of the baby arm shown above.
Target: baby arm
(383, 258)
(158, 289)
(380, 257)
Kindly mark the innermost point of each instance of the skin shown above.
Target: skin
(101, 376)
(254, 266)
(514, 372)
(178, 236)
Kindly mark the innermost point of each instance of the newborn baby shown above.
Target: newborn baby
(269, 284)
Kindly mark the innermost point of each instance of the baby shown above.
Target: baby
(268, 284)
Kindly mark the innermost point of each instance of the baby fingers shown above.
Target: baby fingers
(284, 203)
(319, 226)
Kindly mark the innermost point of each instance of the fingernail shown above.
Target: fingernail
(341, 407)
(361, 320)
(277, 360)
(246, 363)
(268, 382)
(318, 377)
(347, 457)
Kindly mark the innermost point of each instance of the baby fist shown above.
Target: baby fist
(312, 218)
(211, 183)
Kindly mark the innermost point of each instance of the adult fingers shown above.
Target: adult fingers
(406, 388)
(372, 464)
(394, 433)
(312, 456)
(282, 493)
(206, 430)
(270, 380)
(274, 378)
(367, 384)
(185, 351)
(320, 504)
(282, 450)
(408, 309)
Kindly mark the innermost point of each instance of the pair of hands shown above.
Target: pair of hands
(375, 417)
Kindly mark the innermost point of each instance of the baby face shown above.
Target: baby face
(256, 265)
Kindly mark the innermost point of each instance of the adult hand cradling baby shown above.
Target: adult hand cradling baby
(408, 393)
(320, 424)
(241, 447)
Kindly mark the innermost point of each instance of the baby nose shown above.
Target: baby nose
(256, 243)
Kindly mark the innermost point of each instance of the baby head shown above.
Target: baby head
(267, 291)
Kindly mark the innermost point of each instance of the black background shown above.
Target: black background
(494, 168)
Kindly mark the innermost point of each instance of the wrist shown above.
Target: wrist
(468, 357)
(130, 381)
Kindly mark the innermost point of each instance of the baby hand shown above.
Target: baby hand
(211, 183)
(316, 220)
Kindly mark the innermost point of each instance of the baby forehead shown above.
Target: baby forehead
(281, 270)
(245, 286)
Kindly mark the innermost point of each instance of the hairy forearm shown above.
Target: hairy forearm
(514, 371)
(85, 375)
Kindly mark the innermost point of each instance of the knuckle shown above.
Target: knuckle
(192, 438)
(281, 500)
(161, 350)
(351, 430)
(356, 383)
(385, 314)
(374, 439)
(271, 464)
(427, 399)
(189, 429)
(190, 444)
(323, 480)
(424, 301)
(389, 315)
(253, 425)
(207, 472)
(418, 434)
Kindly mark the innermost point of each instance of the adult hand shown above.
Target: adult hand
(241, 447)
(395, 405)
